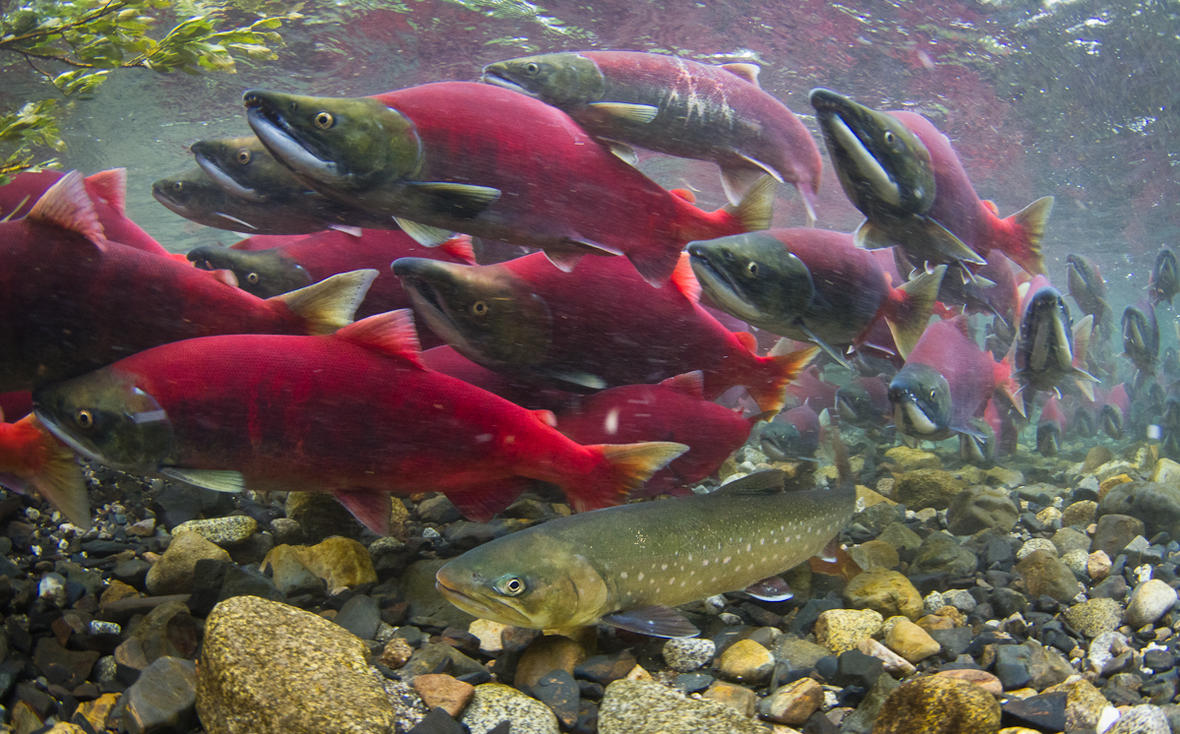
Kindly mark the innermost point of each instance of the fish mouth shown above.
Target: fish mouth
(296, 152)
(1045, 335)
(719, 284)
(496, 79)
(911, 419)
(430, 305)
(833, 112)
(1048, 439)
(480, 606)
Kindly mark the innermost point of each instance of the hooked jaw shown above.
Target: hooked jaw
(297, 152)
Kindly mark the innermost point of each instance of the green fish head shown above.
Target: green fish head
(921, 400)
(883, 167)
(754, 277)
(336, 144)
(484, 312)
(189, 195)
(245, 168)
(263, 273)
(563, 80)
(532, 582)
(105, 417)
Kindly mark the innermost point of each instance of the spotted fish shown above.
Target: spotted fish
(628, 566)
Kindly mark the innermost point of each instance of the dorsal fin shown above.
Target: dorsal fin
(744, 70)
(685, 194)
(961, 324)
(684, 280)
(747, 339)
(545, 416)
(391, 332)
(111, 187)
(991, 206)
(67, 205)
(690, 383)
(460, 247)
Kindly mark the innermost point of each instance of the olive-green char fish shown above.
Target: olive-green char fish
(628, 566)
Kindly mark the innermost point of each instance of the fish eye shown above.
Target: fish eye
(479, 308)
(243, 156)
(324, 120)
(84, 419)
(252, 278)
(510, 586)
(178, 186)
(890, 138)
(933, 393)
(531, 68)
(752, 268)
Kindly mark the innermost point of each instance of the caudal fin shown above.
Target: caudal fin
(58, 478)
(629, 466)
(778, 371)
(910, 313)
(1029, 225)
(330, 303)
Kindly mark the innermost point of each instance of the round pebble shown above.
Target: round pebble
(686, 654)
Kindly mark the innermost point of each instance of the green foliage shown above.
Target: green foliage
(75, 46)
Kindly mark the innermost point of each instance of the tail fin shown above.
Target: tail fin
(778, 372)
(756, 208)
(629, 466)
(58, 477)
(1030, 224)
(909, 318)
(330, 303)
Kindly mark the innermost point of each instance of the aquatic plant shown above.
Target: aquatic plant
(75, 46)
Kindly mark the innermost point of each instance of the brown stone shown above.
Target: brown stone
(981, 678)
(173, 573)
(746, 660)
(911, 641)
(545, 654)
(447, 692)
(95, 712)
(888, 592)
(739, 698)
(794, 703)
(397, 651)
(116, 591)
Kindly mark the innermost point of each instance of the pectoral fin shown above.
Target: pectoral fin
(640, 113)
(655, 621)
(218, 480)
(456, 199)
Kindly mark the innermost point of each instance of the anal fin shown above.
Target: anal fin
(770, 589)
(370, 507)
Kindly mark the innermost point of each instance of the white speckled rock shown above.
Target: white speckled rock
(686, 654)
(1144, 719)
(493, 703)
(229, 530)
(647, 707)
(1149, 601)
(1076, 560)
(1035, 544)
(270, 668)
(842, 629)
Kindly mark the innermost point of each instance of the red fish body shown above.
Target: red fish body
(353, 413)
(674, 410)
(107, 191)
(76, 302)
(957, 207)
(526, 149)
(531, 394)
(599, 326)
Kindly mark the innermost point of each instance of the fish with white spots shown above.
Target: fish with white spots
(628, 566)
